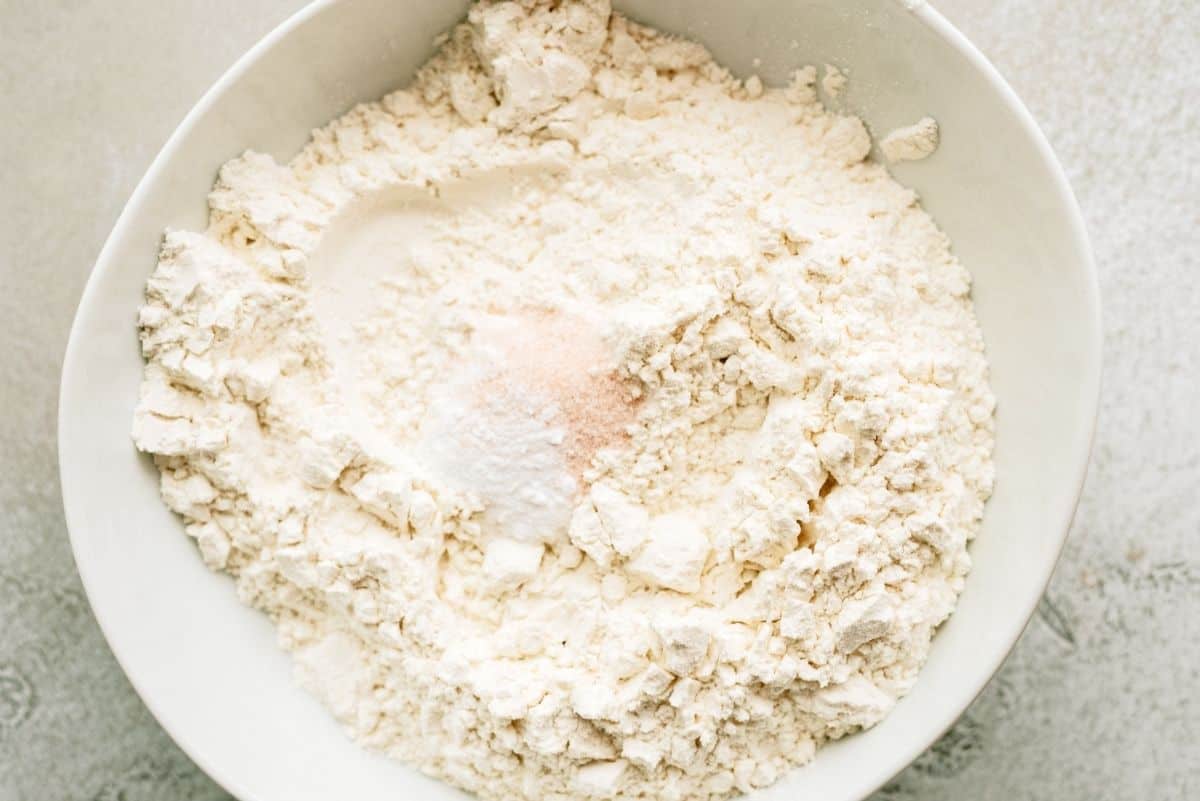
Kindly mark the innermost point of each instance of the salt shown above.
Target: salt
(520, 421)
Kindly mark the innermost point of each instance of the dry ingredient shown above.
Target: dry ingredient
(911, 142)
(833, 82)
(589, 421)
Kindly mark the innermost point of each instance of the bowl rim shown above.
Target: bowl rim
(875, 777)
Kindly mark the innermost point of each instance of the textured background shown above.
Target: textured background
(1099, 699)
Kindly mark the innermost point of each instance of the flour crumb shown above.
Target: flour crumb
(833, 82)
(912, 142)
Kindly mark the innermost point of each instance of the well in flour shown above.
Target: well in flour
(590, 422)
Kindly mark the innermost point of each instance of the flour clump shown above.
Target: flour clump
(590, 422)
(911, 142)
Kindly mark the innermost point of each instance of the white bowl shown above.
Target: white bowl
(208, 667)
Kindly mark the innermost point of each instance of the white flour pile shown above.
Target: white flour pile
(590, 422)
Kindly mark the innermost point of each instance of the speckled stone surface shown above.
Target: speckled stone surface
(1099, 699)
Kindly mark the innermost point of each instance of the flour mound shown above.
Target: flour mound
(590, 423)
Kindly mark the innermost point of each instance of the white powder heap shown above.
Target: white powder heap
(591, 423)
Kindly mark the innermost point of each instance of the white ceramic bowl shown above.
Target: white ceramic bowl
(208, 667)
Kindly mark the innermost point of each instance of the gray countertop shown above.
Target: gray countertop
(1099, 699)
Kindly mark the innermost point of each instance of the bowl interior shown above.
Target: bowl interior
(208, 667)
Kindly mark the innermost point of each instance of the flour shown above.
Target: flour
(911, 142)
(833, 82)
(589, 422)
